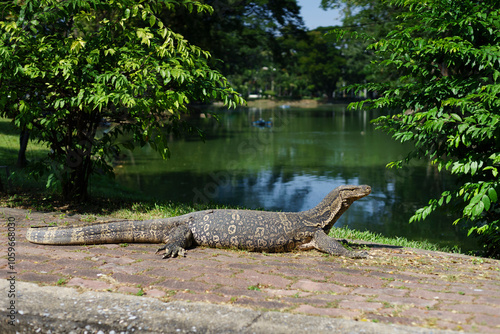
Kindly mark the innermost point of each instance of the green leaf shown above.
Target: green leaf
(77, 45)
(476, 199)
(478, 209)
(456, 117)
(462, 127)
(473, 167)
(494, 171)
(51, 180)
(492, 194)
(486, 201)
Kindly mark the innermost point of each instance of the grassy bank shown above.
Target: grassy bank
(9, 148)
(9, 145)
(110, 200)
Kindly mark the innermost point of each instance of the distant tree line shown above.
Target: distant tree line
(264, 49)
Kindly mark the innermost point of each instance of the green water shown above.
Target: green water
(292, 165)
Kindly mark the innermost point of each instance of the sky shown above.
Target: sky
(316, 17)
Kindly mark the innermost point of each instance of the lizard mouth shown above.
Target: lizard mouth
(357, 192)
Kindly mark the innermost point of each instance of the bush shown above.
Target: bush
(447, 97)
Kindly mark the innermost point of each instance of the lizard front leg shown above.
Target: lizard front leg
(176, 241)
(322, 242)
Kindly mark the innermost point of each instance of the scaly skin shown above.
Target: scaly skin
(241, 229)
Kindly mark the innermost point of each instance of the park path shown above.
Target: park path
(394, 285)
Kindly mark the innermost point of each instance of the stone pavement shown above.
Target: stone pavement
(414, 288)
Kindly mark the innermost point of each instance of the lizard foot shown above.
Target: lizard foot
(176, 241)
(324, 243)
(358, 255)
(172, 251)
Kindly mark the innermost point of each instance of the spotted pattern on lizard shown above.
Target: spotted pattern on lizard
(252, 230)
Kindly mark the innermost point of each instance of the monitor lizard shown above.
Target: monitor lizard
(252, 230)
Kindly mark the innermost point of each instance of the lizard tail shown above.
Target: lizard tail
(97, 233)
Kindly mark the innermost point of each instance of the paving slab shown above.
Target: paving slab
(397, 289)
(49, 309)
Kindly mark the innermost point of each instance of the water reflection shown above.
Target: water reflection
(292, 165)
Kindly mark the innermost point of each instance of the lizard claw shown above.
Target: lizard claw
(160, 249)
(358, 255)
(168, 253)
(172, 252)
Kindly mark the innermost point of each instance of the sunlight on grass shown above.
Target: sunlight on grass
(9, 144)
(347, 233)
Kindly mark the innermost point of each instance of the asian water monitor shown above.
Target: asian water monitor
(242, 229)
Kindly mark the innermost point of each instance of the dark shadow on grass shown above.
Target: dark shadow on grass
(365, 244)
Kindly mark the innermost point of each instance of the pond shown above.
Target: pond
(288, 159)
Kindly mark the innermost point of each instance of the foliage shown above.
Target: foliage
(241, 34)
(321, 61)
(67, 66)
(317, 59)
(309, 63)
(365, 21)
(263, 46)
(447, 55)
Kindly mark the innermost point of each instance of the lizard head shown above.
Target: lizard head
(353, 193)
(329, 210)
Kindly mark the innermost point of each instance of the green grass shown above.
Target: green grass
(9, 144)
(9, 148)
(20, 180)
(371, 237)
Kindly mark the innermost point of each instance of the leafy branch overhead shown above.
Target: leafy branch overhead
(67, 66)
(447, 101)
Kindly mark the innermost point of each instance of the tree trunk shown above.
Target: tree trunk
(75, 184)
(23, 145)
(78, 144)
(79, 163)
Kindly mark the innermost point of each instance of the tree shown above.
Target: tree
(308, 63)
(371, 20)
(447, 102)
(23, 146)
(67, 66)
(240, 33)
(321, 61)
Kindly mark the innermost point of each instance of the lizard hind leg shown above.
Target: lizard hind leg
(322, 242)
(176, 241)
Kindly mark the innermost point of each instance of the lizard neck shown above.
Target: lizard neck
(329, 210)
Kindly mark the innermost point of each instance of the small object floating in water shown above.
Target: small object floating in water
(262, 123)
